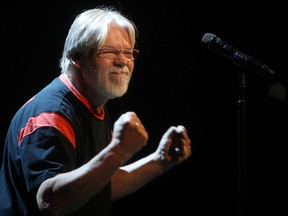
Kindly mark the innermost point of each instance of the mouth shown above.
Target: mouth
(121, 73)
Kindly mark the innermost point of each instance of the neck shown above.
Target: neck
(76, 80)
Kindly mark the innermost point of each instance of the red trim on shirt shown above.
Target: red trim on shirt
(99, 115)
(51, 120)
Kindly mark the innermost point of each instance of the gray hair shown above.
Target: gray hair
(89, 31)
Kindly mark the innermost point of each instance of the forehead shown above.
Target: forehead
(117, 37)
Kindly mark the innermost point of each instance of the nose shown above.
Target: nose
(121, 59)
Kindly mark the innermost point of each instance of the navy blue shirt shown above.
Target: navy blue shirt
(55, 132)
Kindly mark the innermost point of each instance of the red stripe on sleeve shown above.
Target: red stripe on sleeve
(51, 120)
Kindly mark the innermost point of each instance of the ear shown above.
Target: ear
(75, 63)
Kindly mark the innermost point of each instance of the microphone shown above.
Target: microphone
(214, 43)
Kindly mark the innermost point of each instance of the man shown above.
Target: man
(62, 156)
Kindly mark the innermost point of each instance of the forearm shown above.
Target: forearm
(69, 191)
(133, 176)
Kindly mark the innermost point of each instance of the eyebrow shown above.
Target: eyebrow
(112, 47)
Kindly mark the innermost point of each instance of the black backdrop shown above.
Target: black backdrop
(176, 81)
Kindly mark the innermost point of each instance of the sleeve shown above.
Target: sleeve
(46, 150)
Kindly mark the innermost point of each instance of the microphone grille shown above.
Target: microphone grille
(207, 38)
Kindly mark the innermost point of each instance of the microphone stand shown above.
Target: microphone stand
(241, 143)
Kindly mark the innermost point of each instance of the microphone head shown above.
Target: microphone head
(208, 38)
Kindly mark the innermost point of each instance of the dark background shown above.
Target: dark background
(176, 81)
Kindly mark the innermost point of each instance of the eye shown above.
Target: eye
(108, 51)
(128, 52)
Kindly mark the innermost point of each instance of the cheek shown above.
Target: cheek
(88, 64)
(103, 65)
(131, 67)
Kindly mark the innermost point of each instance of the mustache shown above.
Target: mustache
(124, 70)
